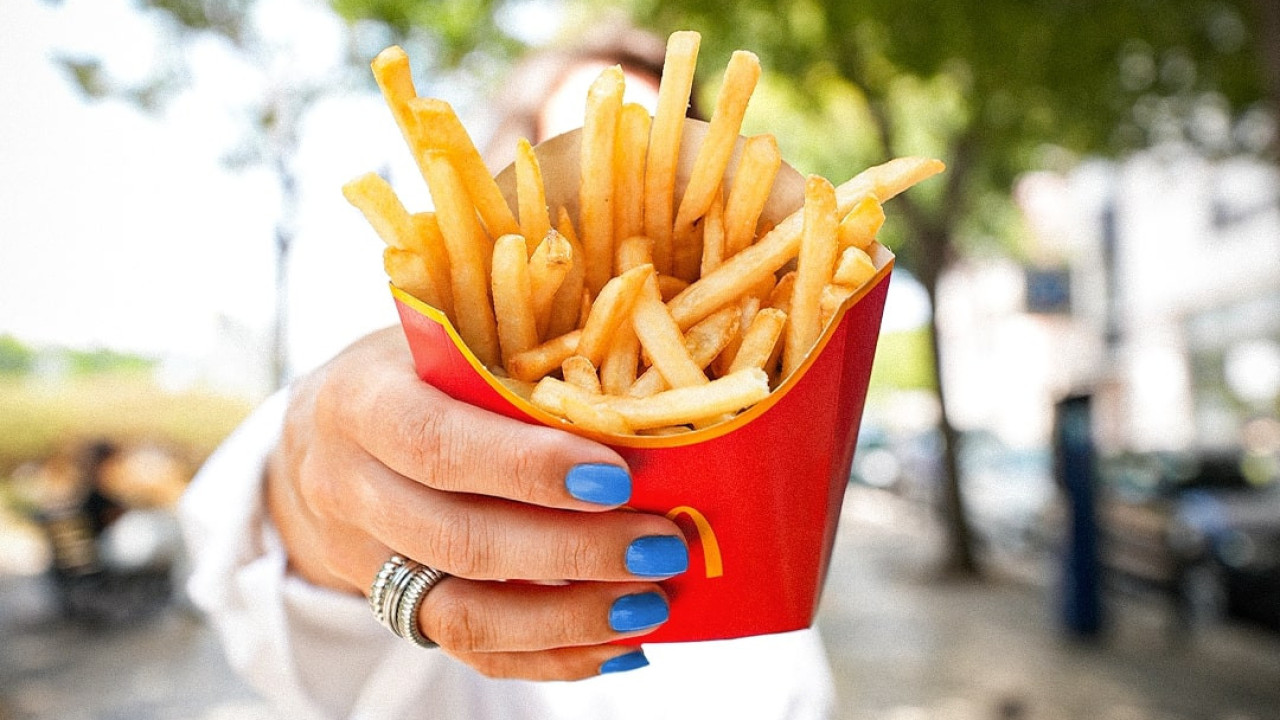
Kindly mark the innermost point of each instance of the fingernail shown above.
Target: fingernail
(657, 556)
(623, 663)
(599, 483)
(638, 612)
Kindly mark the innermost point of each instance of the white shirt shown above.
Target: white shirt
(317, 653)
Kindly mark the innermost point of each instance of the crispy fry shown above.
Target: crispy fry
(551, 261)
(752, 183)
(661, 339)
(740, 79)
(468, 257)
(578, 370)
(760, 340)
(628, 171)
(854, 267)
(381, 207)
(596, 417)
(678, 406)
(595, 205)
(713, 237)
(632, 252)
(861, 224)
(531, 365)
(442, 130)
(607, 311)
(747, 309)
(780, 296)
(567, 303)
(513, 298)
(531, 195)
(621, 360)
(671, 286)
(833, 296)
(410, 272)
(813, 271)
(781, 244)
(664, 143)
(703, 343)
(431, 241)
(394, 78)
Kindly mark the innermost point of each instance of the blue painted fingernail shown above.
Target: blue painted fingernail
(623, 663)
(657, 556)
(638, 612)
(599, 483)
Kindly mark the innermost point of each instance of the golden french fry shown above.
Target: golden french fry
(813, 271)
(621, 360)
(531, 195)
(752, 183)
(780, 245)
(780, 296)
(632, 252)
(521, 388)
(747, 309)
(664, 143)
(760, 340)
(431, 241)
(739, 83)
(861, 224)
(671, 286)
(442, 130)
(381, 207)
(677, 406)
(567, 303)
(584, 309)
(409, 271)
(531, 365)
(703, 343)
(661, 339)
(628, 167)
(578, 370)
(596, 417)
(392, 73)
(469, 252)
(595, 204)
(833, 296)
(513, 297)
(551, 261)
(608, 310)
(854, 267)
(713, 235)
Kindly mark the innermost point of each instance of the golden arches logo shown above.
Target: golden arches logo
(706, 536)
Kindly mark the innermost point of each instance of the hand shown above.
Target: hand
(374, 461)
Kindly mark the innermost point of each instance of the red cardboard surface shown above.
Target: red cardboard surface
(758, 497)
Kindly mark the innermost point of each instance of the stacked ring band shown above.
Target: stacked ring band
(396, 594)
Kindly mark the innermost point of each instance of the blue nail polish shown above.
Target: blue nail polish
(599, 483)
(638, 612)
(623, 663)
(657, 556)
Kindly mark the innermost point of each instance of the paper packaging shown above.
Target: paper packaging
(758, 497)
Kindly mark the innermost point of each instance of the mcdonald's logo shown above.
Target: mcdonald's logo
(706, 536)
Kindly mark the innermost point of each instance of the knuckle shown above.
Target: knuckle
(528, 471)
(576, 555)
(459, 625)
(458, 542)
(425, 438)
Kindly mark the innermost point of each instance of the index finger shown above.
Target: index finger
(425, 435)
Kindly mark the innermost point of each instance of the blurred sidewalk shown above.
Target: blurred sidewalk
(904, 644)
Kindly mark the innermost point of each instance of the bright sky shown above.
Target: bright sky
(125, 230)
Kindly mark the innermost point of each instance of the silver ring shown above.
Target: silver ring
(397, 593)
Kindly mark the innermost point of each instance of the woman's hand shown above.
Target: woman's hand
(373, 461)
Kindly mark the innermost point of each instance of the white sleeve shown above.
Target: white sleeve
(308, 650)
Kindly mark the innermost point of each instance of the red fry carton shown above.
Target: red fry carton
(758, 497)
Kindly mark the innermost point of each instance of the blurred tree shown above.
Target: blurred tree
(993, 87)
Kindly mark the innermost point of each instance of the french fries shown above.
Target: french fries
(629, 308)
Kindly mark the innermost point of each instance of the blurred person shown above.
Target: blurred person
(292, 522)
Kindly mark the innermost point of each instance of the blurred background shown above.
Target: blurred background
(1066, 497)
